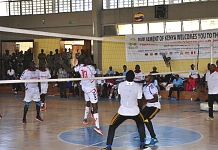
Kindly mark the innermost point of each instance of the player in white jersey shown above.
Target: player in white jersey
(86, 70)
(130, 93)
(32, 90)
(153, 106)
(44, 74)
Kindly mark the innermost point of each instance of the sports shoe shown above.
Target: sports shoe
(137, 137)
(98, 130)
(39, 119)
(43, 107)
(145, 147)
(24, 121)
(209, 119)
(85, 122)
(109, 97)
(153, 141)
(106, 148)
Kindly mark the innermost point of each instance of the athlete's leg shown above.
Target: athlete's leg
(38, 109)
(42, 97)
(26, 106)
(141, 128)
(115, 122)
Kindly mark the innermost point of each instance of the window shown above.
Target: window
(81, 5)
(4, 8)
(191, 25)
(38, 7)
(138, 3)
(173, 26)
(87, 5)
(125, 29)
(157, 27)
(124, 3)
(109, 4)
(141, 28)
(173, 1)
(51, 6)
(64, 5)
(26, 7)
(155, 2)
(14, 8)
(209, 24)
(184, 1)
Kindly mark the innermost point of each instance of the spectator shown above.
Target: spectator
(62, 73)
(110, 72)
(194, 76)
(177, 85)
(124, 70)
(137, 71)
(11, 75)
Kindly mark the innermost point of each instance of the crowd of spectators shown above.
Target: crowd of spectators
(15, 63)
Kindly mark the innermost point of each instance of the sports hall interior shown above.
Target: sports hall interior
(179, 125)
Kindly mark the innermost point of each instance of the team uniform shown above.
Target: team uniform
(88, 86)
(151, 109)
(90, 92)
(31, 88)
(129, 92)
(44, 85)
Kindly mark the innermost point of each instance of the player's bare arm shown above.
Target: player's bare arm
(153, 100)
(61, 62)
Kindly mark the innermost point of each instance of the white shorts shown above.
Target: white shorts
(44, 90)
(90, 94)
(32, 94)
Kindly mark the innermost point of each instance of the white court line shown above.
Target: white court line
(136, 132)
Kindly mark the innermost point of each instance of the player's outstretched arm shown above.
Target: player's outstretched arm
(68, 69)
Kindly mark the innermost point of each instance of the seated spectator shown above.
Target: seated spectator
(116, 86)
(107, 86)
(110, 72)
(177, 86)
(162, 82)
(194, 77)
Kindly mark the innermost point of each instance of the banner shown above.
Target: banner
(187, 45)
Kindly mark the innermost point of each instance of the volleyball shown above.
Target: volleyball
(138, 17)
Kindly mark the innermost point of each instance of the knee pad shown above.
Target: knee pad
(38, 103)
(27, 104)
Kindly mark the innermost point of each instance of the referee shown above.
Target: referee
(129, 92)
(212, 80)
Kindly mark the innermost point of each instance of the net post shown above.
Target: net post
(211, 52)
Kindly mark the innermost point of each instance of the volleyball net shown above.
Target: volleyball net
(163, 52)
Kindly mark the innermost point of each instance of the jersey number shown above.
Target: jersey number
(84, 74)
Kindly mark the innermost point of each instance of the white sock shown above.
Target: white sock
(96, 117)
(42, 104)
(110, 95)
(86, 112)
